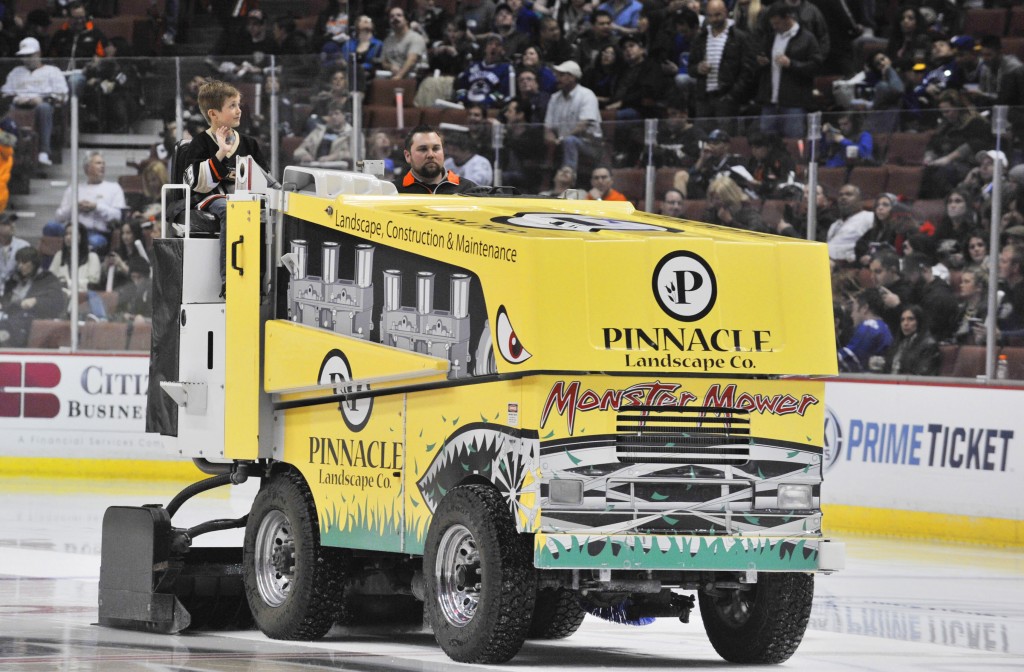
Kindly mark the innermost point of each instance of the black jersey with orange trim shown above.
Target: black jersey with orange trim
(451, 184)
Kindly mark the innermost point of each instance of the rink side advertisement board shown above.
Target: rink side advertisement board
(57, 410)
(922, 460)
(925, 460)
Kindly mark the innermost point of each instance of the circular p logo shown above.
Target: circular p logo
(684, 286)
(335, 370)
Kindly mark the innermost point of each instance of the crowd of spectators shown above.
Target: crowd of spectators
(730, 82)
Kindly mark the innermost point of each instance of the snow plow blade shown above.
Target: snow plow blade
(148, 583)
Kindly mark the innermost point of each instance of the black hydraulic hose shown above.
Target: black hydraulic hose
(215, 525)
(195, 489)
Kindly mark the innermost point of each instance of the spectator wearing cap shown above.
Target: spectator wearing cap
(941, 74)
(601, 186)
(789, 59)
(968, 66)
(950, 151)
(254, 36)
(625, 15)
(487, 82)
(505, 26)
(403, 47)
(721, 64)
(461, 157)
(852, 223)
(33, 85)
(573, 120)
(9, 246)
(714, 158)
(979, 182)
(639, 94)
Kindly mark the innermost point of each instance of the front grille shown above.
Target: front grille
(682, 435)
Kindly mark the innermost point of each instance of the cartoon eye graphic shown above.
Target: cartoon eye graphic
(508, 343)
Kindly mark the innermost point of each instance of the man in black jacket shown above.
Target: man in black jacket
(30, 294)
(722, 63)
(789, 59)
(427, 175)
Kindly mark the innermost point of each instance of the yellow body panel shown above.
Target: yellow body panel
(242, 386)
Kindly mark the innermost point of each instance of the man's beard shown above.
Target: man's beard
(430, 170)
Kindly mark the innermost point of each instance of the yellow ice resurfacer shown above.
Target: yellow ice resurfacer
(490, 414)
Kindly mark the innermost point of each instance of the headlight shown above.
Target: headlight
(565, 491)
(795, 496)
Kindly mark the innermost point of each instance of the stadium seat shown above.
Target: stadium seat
(695, 210)
(1016, 23)
(141, 335)
(289, 144)
(382, 92)
(929, 210)
(970, 361)
(870, 179)
(631, 182)
(49, 334)
(1014, 46)
(103, 336)
(1015, 362)
(978, 22)
(300, 115)
(386, 116)
(907, 149)
(948, 354)
(904, 181)
(832, 178)
(663, 180)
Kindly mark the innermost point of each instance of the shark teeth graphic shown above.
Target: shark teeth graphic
(499, 454)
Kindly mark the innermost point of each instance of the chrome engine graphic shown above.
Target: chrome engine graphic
(421, 328)
(349, 307)
(505, 456)
(329, 302)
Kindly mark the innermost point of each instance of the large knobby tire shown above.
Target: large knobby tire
(763, 625)
(557, 614)
(480, 580)
(293, 584)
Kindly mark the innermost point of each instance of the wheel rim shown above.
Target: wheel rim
(458, 575)
(275, 558)
(735, 607)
